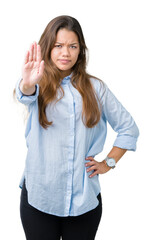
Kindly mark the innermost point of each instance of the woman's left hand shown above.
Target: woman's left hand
(98, 167)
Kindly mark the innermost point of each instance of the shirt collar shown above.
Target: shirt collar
(67, 78)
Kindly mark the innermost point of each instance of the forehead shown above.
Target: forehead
(66, 36)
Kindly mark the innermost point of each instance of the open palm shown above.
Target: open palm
(33, 66)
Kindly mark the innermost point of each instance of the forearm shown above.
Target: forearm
(102, 167)
(116, 153)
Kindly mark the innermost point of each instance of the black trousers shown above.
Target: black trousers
(42, 226)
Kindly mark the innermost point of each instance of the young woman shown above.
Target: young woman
(66, 129)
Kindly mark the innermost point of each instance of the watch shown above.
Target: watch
(110, 162)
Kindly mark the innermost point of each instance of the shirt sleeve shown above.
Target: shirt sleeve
(120, 120)
(27, 100)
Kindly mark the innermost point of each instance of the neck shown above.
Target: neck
(65, 73)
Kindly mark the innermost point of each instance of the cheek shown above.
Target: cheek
(75, 57)
(53, 55)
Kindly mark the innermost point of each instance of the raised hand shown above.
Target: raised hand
(32, 70)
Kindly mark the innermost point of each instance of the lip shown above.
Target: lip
(64, 61)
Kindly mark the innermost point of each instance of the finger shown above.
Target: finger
(26, 59)
(89, 158)
(92, 162)
(41, 68)
(91, 168)
(35, 51)
(38, 53)
(93, 174)
(31, 53)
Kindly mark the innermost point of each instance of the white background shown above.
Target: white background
(119, 35)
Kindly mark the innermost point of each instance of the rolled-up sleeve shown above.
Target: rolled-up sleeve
(120, 120)
(27, 100)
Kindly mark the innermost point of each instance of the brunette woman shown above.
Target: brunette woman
(66, 129)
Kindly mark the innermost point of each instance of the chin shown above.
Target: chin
(64, 69)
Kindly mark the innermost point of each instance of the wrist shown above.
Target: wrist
(111, 162)
(105, 163)
(26, 90)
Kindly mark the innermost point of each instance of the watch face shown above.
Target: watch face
(111, 162)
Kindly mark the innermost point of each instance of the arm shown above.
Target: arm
(23, 98)
(26, 91)
(101, 167)
(122, 123)
(116, 153)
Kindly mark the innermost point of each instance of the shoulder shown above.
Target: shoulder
(99, 85)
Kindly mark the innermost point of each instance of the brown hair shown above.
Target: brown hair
(80, 79)
(51, 79)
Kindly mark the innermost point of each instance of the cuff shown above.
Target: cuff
(126, 142)
(23, 98)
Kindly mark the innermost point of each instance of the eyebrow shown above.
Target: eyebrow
(69, 44)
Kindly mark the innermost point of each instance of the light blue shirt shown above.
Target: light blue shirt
(56, 178)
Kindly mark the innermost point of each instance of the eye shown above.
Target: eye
(58, 46)
(74, 47)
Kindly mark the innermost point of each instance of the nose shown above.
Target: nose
(65, 52)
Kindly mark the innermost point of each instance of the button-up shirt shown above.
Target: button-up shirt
(55, 174)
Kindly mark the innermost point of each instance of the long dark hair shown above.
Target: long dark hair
(52, 76)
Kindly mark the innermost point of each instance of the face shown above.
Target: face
(66, 50)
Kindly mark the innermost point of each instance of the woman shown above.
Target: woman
(66, 129)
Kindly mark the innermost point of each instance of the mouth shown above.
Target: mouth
(64, 61)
